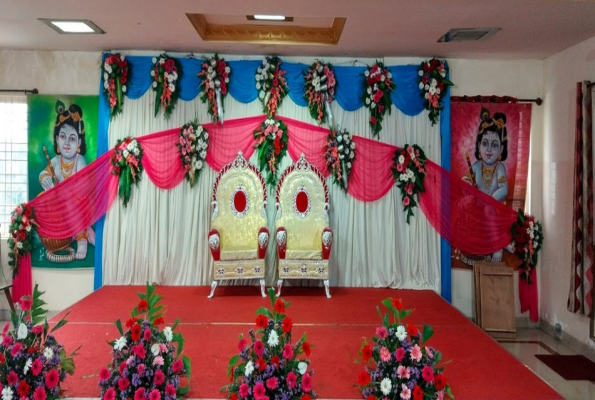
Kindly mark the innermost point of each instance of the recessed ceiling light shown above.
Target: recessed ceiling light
(72, 26)
(264, 17)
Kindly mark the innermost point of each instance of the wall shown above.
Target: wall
(561, 72)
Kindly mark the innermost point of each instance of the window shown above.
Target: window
(13, 157)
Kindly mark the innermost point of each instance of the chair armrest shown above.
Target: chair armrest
(263, 242)
(327, 242)
(281, 242)
(214, 244)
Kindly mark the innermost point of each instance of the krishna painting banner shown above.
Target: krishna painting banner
(490, 150)
(62, 141)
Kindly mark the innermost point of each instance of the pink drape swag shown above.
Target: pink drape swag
(461, 214)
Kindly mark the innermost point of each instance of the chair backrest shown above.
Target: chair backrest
(239, 203)
(302, 205)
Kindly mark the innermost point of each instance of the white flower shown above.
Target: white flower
(161, 61)
(48, 353)
(19, 245)
(7, 393)
(349, 165)
(167, 332)
(432, 90)
(105, 76)
(302, 367)
(366, 73)
(352, 145)
(206, 134)
(261, 95)
(227, 69)
(347, 151)
(22, 332)
(382, 78)
(120, 343)
(386, 386)
(155, 349)
(152, 72)
(125, 153)
(170, 78)
(437, 90)
(172, 88)
(154, 84)
(401, 159)
(401, 333)
(27, 366)
(135, 151)
(198, 164)
(154, 60)
(389, 75)
(273, 339)
(426, 95)
(421, 85)
(249, 368)
(427, 87)
(105, 85)
(124, 88)
(373, 105)
(420, 73)
(28, 228)
(257, 85)
(203, 154)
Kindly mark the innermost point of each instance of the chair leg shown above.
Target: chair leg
(262, 288)
(326, 288)
(279, 284)
(9, 297)
(213, 287)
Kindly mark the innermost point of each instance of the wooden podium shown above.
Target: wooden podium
(494, 300)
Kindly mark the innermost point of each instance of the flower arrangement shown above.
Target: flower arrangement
(433, 84)
(339, 154)
(271, 142)
(23, 226)
(409, 173)
(146, 364)
(271, 85)
(271, 367)
(193, 145)
(527, 238)
(214, 76)
(127, 165)
(397, 362)
(33, 364)
(166, 73)
(378, 84)
(115, 76)
(320, 90)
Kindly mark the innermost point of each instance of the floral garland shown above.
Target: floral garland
(214, 76)
(166, 73)
(193, 145)
(378, 84)
(433, 84)
(397, 362)
(409, 173)
(22, 229)
(145, 362)
(339, 155)
(33, 365)
(271, 367)
(128, 166)
(320, 90)
(271, 85)
(271, 142)
(115, 76)
(527, 238)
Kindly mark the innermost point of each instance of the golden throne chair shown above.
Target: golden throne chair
(239, 237)
(303, 236)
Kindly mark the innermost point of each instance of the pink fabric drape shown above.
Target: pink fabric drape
(22, 283)
(161, 159)
(528, 296)
(225, 141)
(308, 139)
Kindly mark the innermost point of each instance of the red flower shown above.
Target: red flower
(261, 321)
(104, 374)
(22, 235)
(52, 379)
(306, 396)
(279, 306)
(373, 120)
(372, 397)
(277, 144)
(275, 82)
(176, 366)
(142, 306)
(28, 212)
(233, 397)
(158, 321)
(418, 394)
(306, 348)
(363, 378)
(287, 324)
(130, 322)
(366, 352)
(2, 358)
(123, 79)
(123, 383)
(12, 378)
(412, 330)
(39, 394)
(135, 332)
(262, 364)
(439, 381)
(275, 361)
(23, 388)
(397, 304)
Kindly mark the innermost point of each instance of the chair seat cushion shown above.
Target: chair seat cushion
(239, 253)
(313, 254)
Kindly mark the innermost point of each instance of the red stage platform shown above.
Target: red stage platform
(479, 367)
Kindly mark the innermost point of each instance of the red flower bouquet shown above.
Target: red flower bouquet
(527, 238)
(433, 84)
(271, 367)
(409, 173)
(214, 83)
(22, 228)
(166, 73)
(271, 85)
(320, 90)
(193, 145)
(271, 142)
(146, 363)
(378, 84)
(127, 165)
(339, 154)
(115, 77)
(397, 362)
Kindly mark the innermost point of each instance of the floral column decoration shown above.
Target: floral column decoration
(527, 238)
(115, 77)
(23, 227)
(339, 155)
(378, 84)
(271, 85)
(193, 145)
(271, 142)
(320, 91)
(166, 73)
(127, 165)
(214, 83)
(433, 84)
(409, 173)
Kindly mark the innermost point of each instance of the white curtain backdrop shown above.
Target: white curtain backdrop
(161, 236)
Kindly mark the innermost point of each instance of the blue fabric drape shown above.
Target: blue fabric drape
(350, 87)
(445, 162)
(242, 85)
(295, 81)
(406, 96)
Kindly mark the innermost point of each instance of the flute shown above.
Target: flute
(51, 167)
(471, 173)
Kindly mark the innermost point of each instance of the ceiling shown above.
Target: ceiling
(530, 29)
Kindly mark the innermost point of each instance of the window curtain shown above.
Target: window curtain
(580, 297)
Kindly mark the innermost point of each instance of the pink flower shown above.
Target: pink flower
(399, 354)
(384, 354)
(12, 378)
(158, 360)
(287, 351)
(5, 329)
(428, 374)
(155, 395)
(139, 394)
(405, 392)
(241, 344)
(37, 366)
(26, 301)
(272, 383)
(244, 390)
(39, 394)
(123, 384)
(291, 379)
(162, 348)
(258, 391)
(258, 348)
(170, 390)
(429, 352)
(381, 332)
(110, 394)
(37, 329)
(19, 209)
(403, 372)
(159, 378)
(103, 374)
(52, 379)
(176, 366)
(141, 368)
(415, 353)
(307, 382)
(16, 349)
(406, 201)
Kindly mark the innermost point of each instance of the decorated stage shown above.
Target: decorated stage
(476, 366)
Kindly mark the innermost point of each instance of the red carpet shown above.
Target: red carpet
(479, 367)
(571, 368)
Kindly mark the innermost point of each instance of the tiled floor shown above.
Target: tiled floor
(534, 341)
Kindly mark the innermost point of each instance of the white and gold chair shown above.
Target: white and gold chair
(303, 236)
(239, 237)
